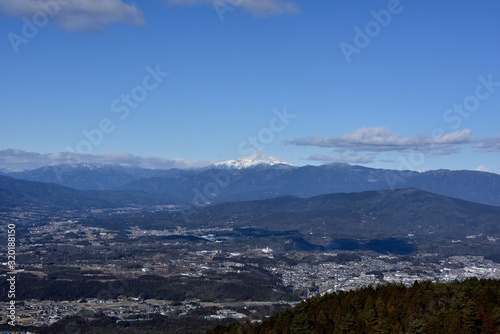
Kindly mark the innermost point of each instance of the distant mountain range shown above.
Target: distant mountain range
(15, 193)
(240, 180)
(322, 221)
(85, 176)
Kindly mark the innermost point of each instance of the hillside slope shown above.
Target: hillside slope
(471, 306)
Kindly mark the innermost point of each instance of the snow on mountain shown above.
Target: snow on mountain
(248, 163)
(10, 170)
(91, 166)
(75, 166)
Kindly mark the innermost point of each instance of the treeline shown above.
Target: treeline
(471, 306)
(252, 284)
(105, 325)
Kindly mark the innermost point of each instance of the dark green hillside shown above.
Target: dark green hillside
(472, 306)
(429, 218)
(399, 221)
(252, 284)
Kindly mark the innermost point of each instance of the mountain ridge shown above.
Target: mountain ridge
(231, 181)
(400, 221)
(23, 194)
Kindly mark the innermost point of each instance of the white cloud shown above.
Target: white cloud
(381, 139)
(457, 137)
(486, 169)
(18, 159)
(255, 7)
(76, 14)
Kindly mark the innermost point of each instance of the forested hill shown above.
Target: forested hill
(472, 306)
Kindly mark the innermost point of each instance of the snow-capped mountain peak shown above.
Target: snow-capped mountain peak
(248, 163)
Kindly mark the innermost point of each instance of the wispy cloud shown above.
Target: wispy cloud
(381, 139)
(352, 158)
(491, 144)
(18, 159)
(255, 7)
(76, 14)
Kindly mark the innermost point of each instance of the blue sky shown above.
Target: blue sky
(178, 83)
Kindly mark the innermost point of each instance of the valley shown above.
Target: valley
(90, 256)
